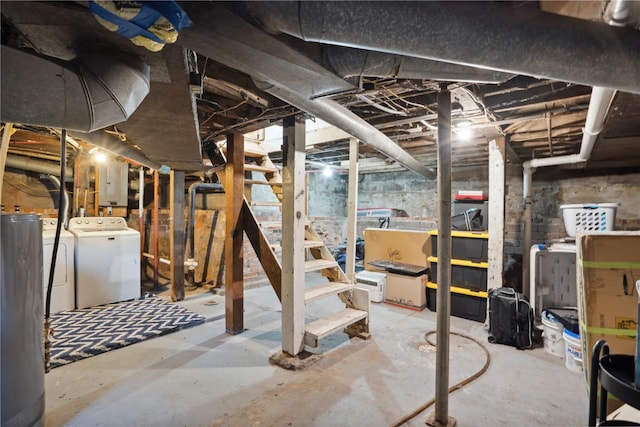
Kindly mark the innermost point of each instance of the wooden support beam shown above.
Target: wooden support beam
(96, 192)
(293, 253)
(156, 226)
(352, 210)
(177, 239)
(141, 215)
(510, 152)
(233, 256)
(497, 156)
(4, 149)
(263, 250)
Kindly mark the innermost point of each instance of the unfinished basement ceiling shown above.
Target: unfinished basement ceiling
(521, 70)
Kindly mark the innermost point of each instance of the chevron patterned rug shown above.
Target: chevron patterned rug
(82, 333)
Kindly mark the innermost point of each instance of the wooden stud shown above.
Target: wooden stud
(263, 250)
(4, 149)
(177, 239)
(497, 153)
(293, 253)
(352, 210)
(141, 218)
(233, 256)
(96, 192)
(156, 227)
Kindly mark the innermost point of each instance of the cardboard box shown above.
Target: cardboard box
(637, 375)
(408, 291)
(406, 246)
(607, 302)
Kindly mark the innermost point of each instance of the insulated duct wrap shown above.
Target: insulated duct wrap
(509, 38)
(350, 62)
(92, 91)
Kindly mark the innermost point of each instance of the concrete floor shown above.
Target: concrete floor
(203, 377)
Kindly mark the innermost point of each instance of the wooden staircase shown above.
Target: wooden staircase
(354, 318)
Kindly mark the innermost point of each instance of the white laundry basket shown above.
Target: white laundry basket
(589, 217)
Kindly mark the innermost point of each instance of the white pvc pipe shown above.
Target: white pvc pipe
(599, 104)
(601, 99)
(191, 263)
(553, 161)
(527, 179)
(619, 13)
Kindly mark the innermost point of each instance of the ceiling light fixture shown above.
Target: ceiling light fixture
(463, 129)
(99, 156)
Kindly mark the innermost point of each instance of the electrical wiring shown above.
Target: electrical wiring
(212, 115)
(454, 387)
(274, 114)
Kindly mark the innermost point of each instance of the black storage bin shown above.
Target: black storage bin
(568, 316)
(468, 277)
(465, 245)
(462, 305)
(460, 206)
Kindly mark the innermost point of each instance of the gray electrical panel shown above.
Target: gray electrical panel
(113, 182)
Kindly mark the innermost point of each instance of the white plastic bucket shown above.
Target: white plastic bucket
(552, 335)
(573, 354)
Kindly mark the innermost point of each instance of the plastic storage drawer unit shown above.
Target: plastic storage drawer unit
(464, 303)
(466, 245)
(464, 274)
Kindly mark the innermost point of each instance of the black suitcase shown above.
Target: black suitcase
(510, 318)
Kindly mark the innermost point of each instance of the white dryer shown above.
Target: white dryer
(107, 260)
(63, 290)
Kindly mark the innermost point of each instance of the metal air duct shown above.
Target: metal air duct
(65, 198)
(34, 165)
(92, 91)
(284, 72)
(340, 117)
(116, 146)
(514, 39)
(349, 62)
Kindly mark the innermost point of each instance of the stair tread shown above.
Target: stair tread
(256, 154)
(307, 244)
(276, 224)
(322, 327)
(249, 152)
(265, 203)
(261, 182)
(319, 264)
(331, 288)
(313, 244)
(259, 168)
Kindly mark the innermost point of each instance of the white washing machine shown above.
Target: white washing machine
(107, 260)
(63, 290)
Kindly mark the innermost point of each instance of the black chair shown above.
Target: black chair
(616, 373)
